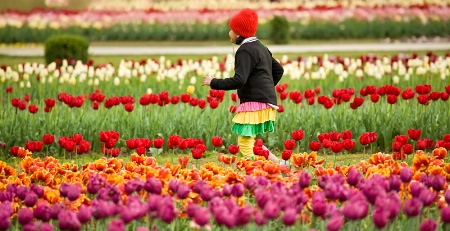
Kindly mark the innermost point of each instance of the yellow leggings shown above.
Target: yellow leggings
(246, 144)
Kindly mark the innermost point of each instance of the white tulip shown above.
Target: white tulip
(193, 80)
(443, 76)
(127, 81)
(3, 79)
(64, 63)
(90, 82)
(395, 79)
(341, 78)
(378, 75)
(149, 91)
(306, 75)
(359, 73)
(20, 68)
(406, 78)
(42, 79)
(72, 81)
(70, 69)
(51, 67)
(134, 73)
(21, 84)
(143, 78)
(96, 82)
(26, 76)
(50, 79)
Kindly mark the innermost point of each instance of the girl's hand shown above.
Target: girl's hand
(207, 80)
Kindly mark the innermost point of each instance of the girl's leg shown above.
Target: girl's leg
(246, 144)
(272, 157)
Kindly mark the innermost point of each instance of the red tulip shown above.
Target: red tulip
(49, 102)
(95, 105)
(408, 94)
(83, 147)
(158, 142)
(348, 144)
(392, 99)
(297, 135)
(334, 136)
(47, 109)
(115, 152)
(399, 155)
(202, 104)
(22, 105)
(14, 150)
(163, 95)
(185, 98)
(396, 146)
(234, 97)
(328, 104)
(15, 102)
(140, 150)
(435, 95)
(346, 135)
(310, 101)
(423, 89)
(414, 134)
(309, 93)
(184, 144)
(233, 109)
(69, 146)
(444, 96)
(9, 89)
(197, 153)
(322, 99)
(283, 95)
(233, 149)
(402, 139)
(364, 139)
(323, 136)
(317, 90)
(216, 141)
(33, 108)
(286, 154)
(175, 99)
(280, 108)
(129, 107)
(446, 137)
(214, 104)
(77, 138)
(447, 89)
(421, 144)
(423, 99)
(346, 97)
(336, 147)
(408, 149)
(131, 144)
(144, 100)
(315, 145)
(173, 141)
(289, 144)
(26, 97)
(48, 139)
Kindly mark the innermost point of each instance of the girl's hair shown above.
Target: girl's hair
(239, 40)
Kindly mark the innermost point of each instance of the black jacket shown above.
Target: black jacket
(256, 74)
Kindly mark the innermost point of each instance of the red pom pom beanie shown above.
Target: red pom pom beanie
(245, 23)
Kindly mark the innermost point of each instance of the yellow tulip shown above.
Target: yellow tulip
(190, 89)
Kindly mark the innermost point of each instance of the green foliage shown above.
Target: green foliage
(279, 30)
(347, 29)
(66, 46)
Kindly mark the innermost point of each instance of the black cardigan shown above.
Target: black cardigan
(256, 74)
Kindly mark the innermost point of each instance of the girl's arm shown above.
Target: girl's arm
(243, 66)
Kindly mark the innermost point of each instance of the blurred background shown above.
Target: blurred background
(281, 22)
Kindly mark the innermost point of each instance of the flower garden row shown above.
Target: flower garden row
(110, 194)
(309, 23)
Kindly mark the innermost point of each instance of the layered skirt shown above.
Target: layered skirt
(254, 118)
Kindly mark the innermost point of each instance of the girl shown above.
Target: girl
(256, 74)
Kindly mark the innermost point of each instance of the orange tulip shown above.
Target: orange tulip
(299, 160)
(226, 159)
(440, 153)
(183, 161)
(51, 195)
(21, 153)
(420, 162)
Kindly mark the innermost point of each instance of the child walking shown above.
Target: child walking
(256, 74)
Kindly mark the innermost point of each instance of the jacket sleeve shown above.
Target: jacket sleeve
(243, 66)
(277, 71)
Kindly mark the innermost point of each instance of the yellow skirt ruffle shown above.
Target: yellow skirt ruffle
(255, 117)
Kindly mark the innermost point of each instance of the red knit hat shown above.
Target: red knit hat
(245, 23)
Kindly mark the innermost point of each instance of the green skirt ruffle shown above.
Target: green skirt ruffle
(253, 129)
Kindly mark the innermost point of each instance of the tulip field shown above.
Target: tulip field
(169, 161)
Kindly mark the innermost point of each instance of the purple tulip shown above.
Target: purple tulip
(261, 197)
(153, 185)
(22, 192)
(25, 215)
(271, 210)
(153, 202)
(31, 199)
(191, 209)
(12, 188)
(319, 205)
(245, 215)
(54, 211)
(230, 204)
(116, 225)
(322, 181)
(198, 186)
(46, 227)
(380, 217)
(250, 182)
(372, 190)
(109, 193)
(335, 223)
(6, 208)
(425, 180)
(130, 187)
(437, 182)
(415, 188)
(395, 205)
(31, 226)
(6, 196)
(183, 191)
(64, 189)
(5, 221)
(202, 216)
(173, 185)
(289, 217)
(406, 174)
(126, 214)
(332, 191)
(356, 209)
(412, 207)
(353, 177)
(428, 225)
(238, 190)
(427, 197)
(67, 220)
(166, 211)
(101, 209)
(142, 228)
(394, 183)
(226, 190)
(39, 190)
(262, 181)
(95, 184)
(42, 212)
(84, 214)
(304, 179)
(260, 219)
(445, 214)
(447, 195)
(207, 193)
